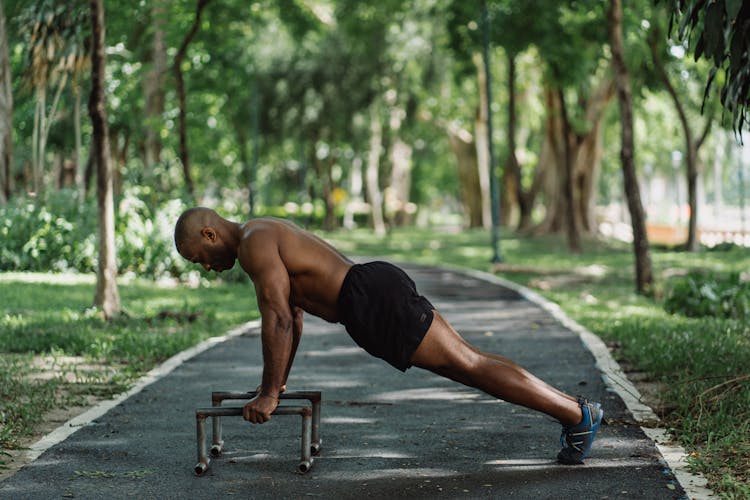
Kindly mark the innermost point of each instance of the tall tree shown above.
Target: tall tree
(153, 86)
(693, 142)
(6, 114)
(643, 272)
(180, 81)
(107, 297)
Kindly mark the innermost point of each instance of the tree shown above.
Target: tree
(643, 272)
(107, 297)
(6, 115)
(180, 81)
(693, 142)
(153, 86)
(571, 148)
(719, 31)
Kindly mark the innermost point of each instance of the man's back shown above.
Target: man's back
(315, 269)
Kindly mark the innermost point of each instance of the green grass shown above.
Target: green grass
(51, 316)
(702, 362)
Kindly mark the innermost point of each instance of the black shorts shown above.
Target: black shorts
(382, 311)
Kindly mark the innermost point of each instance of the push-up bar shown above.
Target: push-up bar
(311, 440)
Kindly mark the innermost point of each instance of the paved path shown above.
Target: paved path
(385, 434)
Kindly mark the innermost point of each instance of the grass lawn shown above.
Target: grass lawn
(55, 352)
(45, 329)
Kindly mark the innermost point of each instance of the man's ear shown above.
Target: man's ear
(209, 233)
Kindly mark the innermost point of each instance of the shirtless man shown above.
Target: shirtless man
(295, 271)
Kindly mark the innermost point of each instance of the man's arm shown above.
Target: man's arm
(296, 334)
(260, 259)
(297, 323)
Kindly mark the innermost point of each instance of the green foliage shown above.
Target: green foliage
(719, 31)
(144, 235)
(61, 235)
(57, 236)
(706, 294)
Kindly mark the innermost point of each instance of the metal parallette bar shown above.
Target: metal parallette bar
(203, 460)
(315, 398)
(214, 412)
(217, 444)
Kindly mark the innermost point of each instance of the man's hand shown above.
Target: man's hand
(258, 410)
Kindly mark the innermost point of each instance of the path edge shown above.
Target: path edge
(694, 483)
(71, 426)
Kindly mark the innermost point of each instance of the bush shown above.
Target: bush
(57, 236)
(144, 235)
(61, 234)
(706, 294)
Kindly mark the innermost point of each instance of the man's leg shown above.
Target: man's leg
(445, 352)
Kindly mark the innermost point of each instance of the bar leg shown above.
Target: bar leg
(203, 461)
(217, 445)
(306, 457)
(316, 440)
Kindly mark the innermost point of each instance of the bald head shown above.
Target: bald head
(203, 236)
(187, 231)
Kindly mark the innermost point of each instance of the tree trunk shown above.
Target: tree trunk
(182, 118)
(372, 172)
(323, 171)
(153, 87)
(514, 182)
(462, 144)
(571, 223)
(586, 150)
(692, 146)
(355, 191)
(119, 143)
(643, 271)
(240, 134)
(400, 185)
(39, 105)
(6, 115)
(45, 126)
(107, 296)
(397, 197)
(551, 157)
(79, 173)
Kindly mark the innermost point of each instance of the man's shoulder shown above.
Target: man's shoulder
(268, 225)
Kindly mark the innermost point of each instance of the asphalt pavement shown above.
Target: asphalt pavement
(386, 434)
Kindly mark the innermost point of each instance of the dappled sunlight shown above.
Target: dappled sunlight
(547, 463)
(50, 278)
(348, 420)
(334, 351)
(389, 474)
(348, 453)
(426, 394)
(334, 384)
(243, 456)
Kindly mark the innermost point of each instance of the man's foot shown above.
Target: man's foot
(576, 440)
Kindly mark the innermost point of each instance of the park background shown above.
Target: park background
(480, 134)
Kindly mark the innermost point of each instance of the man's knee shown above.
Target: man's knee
(459, 360)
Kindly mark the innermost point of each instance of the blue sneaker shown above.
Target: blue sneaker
(576, 440)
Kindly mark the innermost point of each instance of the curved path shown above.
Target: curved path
(385, 434)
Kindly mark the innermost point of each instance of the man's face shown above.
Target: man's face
(211, 255)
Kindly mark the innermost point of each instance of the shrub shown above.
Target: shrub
(706, 294)
(57, 236)
(61, 234)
